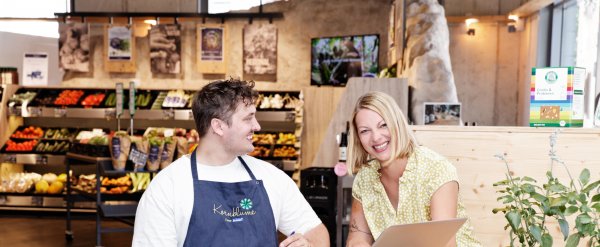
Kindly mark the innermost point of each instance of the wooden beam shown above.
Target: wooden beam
(531, 7)
(483, 18)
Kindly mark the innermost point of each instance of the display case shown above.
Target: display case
(60, 113)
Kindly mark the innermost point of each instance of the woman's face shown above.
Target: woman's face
(374, 134)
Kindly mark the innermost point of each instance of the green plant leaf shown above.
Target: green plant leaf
(583, 219)
(556, 188)
(596, 206)
(596, 198)
(546, 240)
(590, 187)
(564, 228)
(573, 240)
(536, 231)
(557, 201)
(514, 218)
(538, 197)
(584, 177)
(571, 210)
(529, 179)
(583, 198)
(528, 188)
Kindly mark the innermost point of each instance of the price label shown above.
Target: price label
(110, 112)
(290, 116)
(60, 112)
(37, 200)
(35, 111)
(191, 116)
(41, 160)
(10, 158)
(138, 158)
(14, 111)
(168, 114)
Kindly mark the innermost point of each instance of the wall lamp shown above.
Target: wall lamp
(469, 24)
(515, 24)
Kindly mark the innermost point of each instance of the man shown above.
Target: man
(218, 196)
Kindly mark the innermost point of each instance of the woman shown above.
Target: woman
(397, 181)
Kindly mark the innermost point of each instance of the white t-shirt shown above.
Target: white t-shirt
(164, 211)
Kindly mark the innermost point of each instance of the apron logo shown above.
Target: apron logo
(246, 204)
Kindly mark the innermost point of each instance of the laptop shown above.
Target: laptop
(424, 234)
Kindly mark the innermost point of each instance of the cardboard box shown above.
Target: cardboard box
(557, 97)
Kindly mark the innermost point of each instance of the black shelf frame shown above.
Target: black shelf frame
(118, 207)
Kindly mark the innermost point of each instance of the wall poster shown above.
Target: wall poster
(260, 49)
(74, 46)
(165, 49)
(211, 47)
(119, 48)
(35, 69)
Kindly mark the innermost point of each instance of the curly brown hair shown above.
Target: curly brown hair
(219, 99)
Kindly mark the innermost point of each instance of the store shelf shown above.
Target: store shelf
(110, 197)
(163, 114)
(30, 194)
(33, 159)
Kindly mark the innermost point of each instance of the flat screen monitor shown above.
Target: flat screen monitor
(335, 59)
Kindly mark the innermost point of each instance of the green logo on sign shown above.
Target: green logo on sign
(551, 77)
(246, 203)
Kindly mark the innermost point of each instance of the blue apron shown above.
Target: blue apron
(230, 214)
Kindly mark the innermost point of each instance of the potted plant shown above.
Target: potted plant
(528, 205)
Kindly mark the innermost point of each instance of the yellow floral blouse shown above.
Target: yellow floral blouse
(425, 172)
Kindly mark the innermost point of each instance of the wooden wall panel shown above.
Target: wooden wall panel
(472, 150)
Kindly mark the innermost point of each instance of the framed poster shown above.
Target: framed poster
(260, 49)
(119, 48)
(211, 46)
(442, 113)
(74, 46)
(165, 49)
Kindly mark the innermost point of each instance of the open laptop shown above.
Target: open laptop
(425, 234)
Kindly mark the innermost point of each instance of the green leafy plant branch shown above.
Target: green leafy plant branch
(527, 205)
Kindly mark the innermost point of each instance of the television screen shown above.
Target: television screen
(335, 59)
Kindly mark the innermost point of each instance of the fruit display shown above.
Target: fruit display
(140, 181)
(111, 100)
(51, 184)
(26, 146)
(30, 132)
(20, 182)
(286, 138)
(158, 102)
(130, 183)
(276, 101)
(176, 99)
(20, 98)
(284, 152)
(93, 100)
(59, 134)
(260, 138)
(68, 97)
(53, 147)
(43, 100)
(115, 185)
(143, 99)
(85, 183)
(260, 151)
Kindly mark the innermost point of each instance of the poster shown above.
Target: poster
(442, 113)
(74, 47)
(260, 49)
(211, 43)
(119, 40)
(165, 49)
(35, 69)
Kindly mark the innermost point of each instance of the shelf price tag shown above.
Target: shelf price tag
(132, 98)
(41, 160)
(14, 111)
(110, 113)
(119, 99)
(35, 111)
(191, 116)
(10, 158)
(60, 112)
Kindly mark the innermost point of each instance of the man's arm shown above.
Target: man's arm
(316, 237)
(154, 221)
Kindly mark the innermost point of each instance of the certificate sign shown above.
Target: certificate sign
(35, 69)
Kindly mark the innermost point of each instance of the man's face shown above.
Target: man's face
(238, 135)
